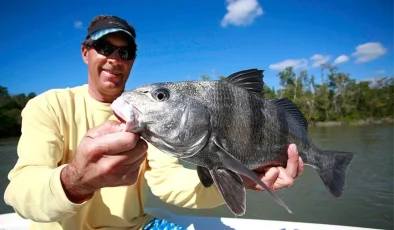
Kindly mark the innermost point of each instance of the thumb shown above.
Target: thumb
(105, 128)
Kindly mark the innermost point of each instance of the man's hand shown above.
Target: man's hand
(278, 177)
(106, 157)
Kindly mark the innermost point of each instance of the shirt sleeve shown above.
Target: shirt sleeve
(177, 185)
(35, 190)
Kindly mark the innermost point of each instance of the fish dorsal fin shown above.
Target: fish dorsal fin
(251, 80)
(291, 108)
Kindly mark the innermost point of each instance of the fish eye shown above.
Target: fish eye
(161, 94)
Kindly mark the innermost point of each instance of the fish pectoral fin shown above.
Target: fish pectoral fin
(205, 176)
(236, 166)
(232, 189)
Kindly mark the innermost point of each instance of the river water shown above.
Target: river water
(366, 202)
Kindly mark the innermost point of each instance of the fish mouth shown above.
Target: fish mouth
(120, 118)
(126, 113)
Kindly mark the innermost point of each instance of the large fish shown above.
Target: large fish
(227, 128)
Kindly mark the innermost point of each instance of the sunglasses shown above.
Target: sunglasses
(106, 48)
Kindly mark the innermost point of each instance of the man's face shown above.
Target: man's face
(108, 74)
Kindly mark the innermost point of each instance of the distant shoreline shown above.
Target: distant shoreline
(319, 124)
(352, 123)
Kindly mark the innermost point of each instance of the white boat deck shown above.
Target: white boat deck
(11, 221)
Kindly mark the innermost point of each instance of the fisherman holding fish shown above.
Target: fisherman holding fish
(78, 169)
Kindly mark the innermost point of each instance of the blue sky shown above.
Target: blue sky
(180, 40)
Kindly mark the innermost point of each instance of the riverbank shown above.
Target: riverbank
(318, 124)
(352, 123)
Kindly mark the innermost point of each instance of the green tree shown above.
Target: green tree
(11, 107)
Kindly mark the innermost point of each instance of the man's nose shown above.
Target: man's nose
(114, 58)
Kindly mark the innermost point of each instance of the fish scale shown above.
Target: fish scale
(246, 120)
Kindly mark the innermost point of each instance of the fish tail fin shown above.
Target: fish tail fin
(332, 169)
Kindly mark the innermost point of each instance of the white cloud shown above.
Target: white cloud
(375, 82)
(368, 52)
(241, 12)
(319, 59)
(341, 59)
(382, 71)
(295, 63)
(78, 25)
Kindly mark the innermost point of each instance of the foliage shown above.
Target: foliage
(337, 97)
(10, 112)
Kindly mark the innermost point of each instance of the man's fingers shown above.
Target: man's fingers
(271, 176)
(301, 167)
(131, 177)
(132, 167)
(105, 128)
(138, 153)
(293, 161)
(284, 179)
(112, 163)
(113, 143)
(124, 163)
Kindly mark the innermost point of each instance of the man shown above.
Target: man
(76, 170)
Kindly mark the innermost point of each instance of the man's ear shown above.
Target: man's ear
(84, 51)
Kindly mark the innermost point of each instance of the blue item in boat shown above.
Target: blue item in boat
(162, 224)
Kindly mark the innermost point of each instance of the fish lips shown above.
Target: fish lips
(126, 114)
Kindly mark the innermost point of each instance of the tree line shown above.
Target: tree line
(337, 97)
(11, 107)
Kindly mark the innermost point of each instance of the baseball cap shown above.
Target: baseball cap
(107, 26)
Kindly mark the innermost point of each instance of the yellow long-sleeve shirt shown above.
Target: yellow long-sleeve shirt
(53, 124)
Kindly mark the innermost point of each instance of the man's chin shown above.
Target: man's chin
(111, 85)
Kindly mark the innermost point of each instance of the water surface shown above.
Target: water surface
(366, 202)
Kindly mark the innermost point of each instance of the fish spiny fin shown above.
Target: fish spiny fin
(205, 176)
(251, 80)
(232, 189)
(291, 108)
(235, 165)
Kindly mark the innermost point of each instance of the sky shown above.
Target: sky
(40, 46)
